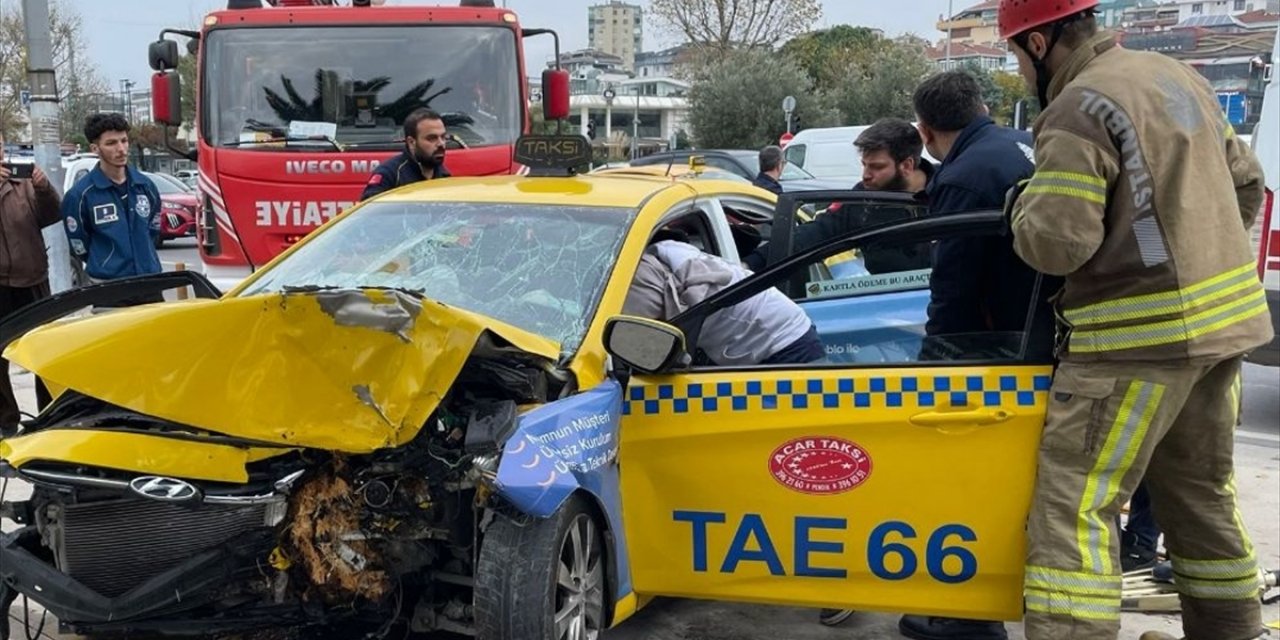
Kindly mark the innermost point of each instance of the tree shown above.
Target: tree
(736, 102)
(150, 135)
(75, 75)
(882, 85)
(187, 75)
(1013, 88)
(992, 92)
(727, 24)
(824, 52)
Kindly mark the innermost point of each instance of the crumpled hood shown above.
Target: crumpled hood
(346, 370)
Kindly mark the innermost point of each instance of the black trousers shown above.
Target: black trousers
(12, 299)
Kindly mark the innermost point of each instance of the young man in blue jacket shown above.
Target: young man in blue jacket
(112, 215)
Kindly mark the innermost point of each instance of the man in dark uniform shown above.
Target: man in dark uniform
(979, 285)
(771, 161)
(422, 159)
(891, 161)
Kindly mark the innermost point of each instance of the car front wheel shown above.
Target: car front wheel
(542, 580)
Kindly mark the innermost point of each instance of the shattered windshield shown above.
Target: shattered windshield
(538, 267)
(354, 85)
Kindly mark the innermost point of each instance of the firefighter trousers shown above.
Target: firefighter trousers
(1108, 425)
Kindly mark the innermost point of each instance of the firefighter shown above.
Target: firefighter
(1142, 198)
(422, 159)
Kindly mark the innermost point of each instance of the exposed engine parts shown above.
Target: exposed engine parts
(312, 537)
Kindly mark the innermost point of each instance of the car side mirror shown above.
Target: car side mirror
(648, 346)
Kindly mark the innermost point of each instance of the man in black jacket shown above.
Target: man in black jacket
(891, 161)
(771, 161)
(422, 159)
(979, 285)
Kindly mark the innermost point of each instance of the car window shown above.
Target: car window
(538, 267)
(795, 154)
(725, 164)
(791, 171)
(164, 185)
(898, 296)
(693, 226)
(867, 211)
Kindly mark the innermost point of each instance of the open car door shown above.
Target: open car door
(900, 485)
(868, 302)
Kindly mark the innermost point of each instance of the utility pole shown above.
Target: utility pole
(126, 94)
(46, 133)
(635, 124)
(946, 66)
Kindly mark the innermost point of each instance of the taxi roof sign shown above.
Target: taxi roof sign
(553, 155)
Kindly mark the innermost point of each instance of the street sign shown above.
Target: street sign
(785, 139)
(24, 96)
(789, 104)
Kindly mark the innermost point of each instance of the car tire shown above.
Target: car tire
(543, 579)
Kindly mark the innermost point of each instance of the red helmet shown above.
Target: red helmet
(1017, 16)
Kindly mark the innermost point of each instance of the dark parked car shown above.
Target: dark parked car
(745, 163)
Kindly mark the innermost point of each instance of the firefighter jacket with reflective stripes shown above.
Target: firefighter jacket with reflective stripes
(1143, 197)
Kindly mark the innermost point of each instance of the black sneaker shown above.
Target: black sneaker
(931, 628)
(1134, 557)
(833, 617)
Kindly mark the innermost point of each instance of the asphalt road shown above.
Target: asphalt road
(180, 251)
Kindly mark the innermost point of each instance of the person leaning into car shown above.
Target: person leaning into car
(27, 205)
(768, 328)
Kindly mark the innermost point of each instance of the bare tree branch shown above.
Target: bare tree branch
(728, 24)
(76, 77)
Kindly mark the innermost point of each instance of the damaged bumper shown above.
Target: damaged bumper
(188, 588)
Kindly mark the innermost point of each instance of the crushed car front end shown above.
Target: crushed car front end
(325, 458)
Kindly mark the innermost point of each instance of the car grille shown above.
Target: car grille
(115, 545)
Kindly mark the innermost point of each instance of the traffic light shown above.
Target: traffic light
(591, 130)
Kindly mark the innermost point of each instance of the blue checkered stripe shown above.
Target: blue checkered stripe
(837, 393)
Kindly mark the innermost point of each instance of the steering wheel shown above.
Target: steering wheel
(452, 141)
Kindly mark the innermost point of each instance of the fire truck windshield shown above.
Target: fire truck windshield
(354, 85)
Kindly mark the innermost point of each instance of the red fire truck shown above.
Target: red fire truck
(299, 100)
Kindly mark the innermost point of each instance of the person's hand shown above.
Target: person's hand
(38, 179)
(4, 173)
(1011, 200)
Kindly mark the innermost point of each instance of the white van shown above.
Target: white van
(829, 154)
(1266, 144)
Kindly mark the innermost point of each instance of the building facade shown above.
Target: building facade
(975, 25)
(616, 28)
(1188, 9)
(968, 55)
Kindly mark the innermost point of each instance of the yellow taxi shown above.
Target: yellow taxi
(431, 415)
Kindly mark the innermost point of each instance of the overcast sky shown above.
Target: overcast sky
(118, 30)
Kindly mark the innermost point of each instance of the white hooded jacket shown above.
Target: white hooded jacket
(674, 276)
